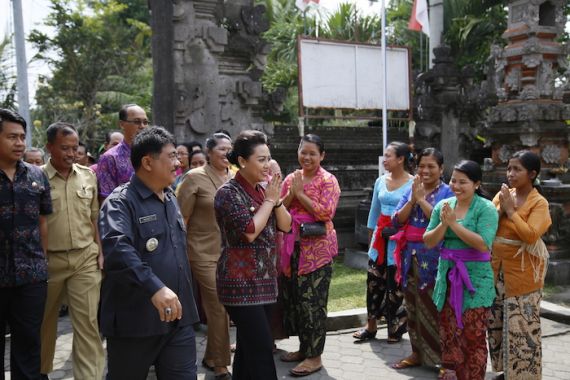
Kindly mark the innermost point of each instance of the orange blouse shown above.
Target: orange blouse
(529, 223)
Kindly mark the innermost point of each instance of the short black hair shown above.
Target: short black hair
(34, 150)
(11, 116)
(431, 152)
(314, 139)
(65, 128)
(195, 152)
(123, 112)
(245, 144)
(190, 145)
(149, 141)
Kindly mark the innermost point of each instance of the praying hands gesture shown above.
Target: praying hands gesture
(273, 189)
(418, 190)
(447, 215)
(297, 184)
(506, 200)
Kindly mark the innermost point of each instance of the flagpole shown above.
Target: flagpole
(384, 79)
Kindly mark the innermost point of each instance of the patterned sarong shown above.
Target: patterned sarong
(515, 334)
(423, 319)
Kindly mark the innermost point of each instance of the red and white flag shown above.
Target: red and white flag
(419, 20)
(302, 4)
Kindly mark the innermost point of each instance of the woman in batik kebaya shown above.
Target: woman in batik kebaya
(519, 261)
(311, 195)
(464, 287)
(246, 278)
(417, 265)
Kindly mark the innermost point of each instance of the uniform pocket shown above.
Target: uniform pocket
(152, 237)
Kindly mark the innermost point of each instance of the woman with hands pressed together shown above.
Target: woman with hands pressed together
(383, 295)
(519, 260)
(464, 288)
(311, 195)
(417, 265)
(246, 277)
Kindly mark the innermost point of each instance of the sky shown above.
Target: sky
(34, 12)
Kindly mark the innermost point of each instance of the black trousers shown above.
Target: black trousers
(173, 356)
(253, 359)
(22, 307)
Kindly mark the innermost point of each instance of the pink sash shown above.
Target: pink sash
(289, 241)
(402, 237)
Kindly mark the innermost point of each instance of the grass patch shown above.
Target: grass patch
(348, 287)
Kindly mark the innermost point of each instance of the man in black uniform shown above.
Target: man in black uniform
(147, 304)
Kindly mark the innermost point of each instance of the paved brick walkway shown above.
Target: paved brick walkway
(345, 360)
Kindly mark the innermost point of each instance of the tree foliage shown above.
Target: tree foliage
(470, 27)
(99, 54)
(7, 78)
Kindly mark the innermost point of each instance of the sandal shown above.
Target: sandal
(206, 365)
(290, 357)
(446, 374)
(364, 335)
(393, 340)
(304, 370)
(406, 363)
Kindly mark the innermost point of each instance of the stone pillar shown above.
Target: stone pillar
(163, 75)
(435, 27)
(208, 57)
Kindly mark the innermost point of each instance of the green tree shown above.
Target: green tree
(7, 80)
(100, 59)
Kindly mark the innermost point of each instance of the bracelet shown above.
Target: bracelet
(270, 201)
(278, 205)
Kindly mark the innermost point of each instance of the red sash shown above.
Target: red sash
(379, 242)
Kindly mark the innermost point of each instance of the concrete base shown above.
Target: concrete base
(346, 319)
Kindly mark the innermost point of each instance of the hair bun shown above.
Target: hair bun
(232, 157)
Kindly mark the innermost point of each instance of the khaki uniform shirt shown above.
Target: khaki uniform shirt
(75, 208)
(196, 199)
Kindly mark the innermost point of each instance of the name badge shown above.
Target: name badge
(148, 218)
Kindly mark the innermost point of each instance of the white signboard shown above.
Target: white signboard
(347, 75)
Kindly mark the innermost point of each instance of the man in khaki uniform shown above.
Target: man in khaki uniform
(74, 257)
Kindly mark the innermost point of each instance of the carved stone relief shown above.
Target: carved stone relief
(551, 154)
(529, 140)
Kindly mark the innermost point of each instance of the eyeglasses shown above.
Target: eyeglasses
(137, 122)
(173, 156)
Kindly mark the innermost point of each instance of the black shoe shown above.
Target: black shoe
(63, 311)
(43, 376)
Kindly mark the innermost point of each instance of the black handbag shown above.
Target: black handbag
(313, 229)
(389, 231)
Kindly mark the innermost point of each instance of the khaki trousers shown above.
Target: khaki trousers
(218, 344)
(75, 275)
